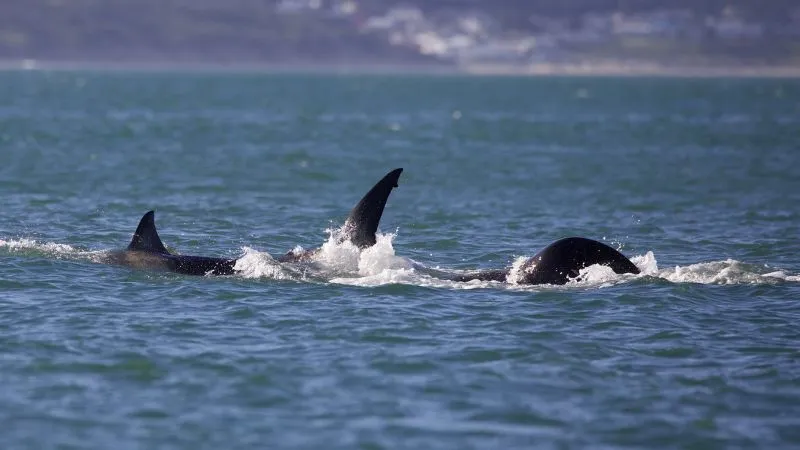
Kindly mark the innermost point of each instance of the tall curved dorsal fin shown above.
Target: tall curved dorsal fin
(362, 223)
(145, 238)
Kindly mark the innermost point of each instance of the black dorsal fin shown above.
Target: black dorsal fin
(146, 239)
(362, 223)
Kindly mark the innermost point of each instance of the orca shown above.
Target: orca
(559, 262)
(556, 264)
(362, 222)
(147, 251)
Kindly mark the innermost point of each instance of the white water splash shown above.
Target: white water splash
(381, 258)
(372, 266)
(646, 263)
(257, 264)
(338, 257)
(341, 262)
(603, 276)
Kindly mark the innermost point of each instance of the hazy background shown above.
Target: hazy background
(447, 34)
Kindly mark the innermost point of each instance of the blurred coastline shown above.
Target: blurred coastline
(503, 37)
(541, 69)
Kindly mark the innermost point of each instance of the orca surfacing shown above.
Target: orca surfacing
(559, 262)
(362, 222)
(147, 251)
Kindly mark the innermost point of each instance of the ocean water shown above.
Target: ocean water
(696, 180)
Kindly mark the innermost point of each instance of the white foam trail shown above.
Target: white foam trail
(50, 248)
(343, 263)
(414, 278)
(781, 275)
(53, 249)
(728, 271)
(389, 276)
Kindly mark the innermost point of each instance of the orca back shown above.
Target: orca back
(146, 241)
(563, 259)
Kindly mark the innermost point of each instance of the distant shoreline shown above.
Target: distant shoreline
(539, 69)
(638, 70)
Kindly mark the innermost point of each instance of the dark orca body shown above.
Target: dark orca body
(555, 264)
(560, 261)
(146, 250)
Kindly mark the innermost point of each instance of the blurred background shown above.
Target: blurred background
(460, 35)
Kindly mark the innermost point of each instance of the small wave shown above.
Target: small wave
(729, 271)
(32, 246)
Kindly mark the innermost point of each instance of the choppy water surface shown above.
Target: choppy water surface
(696, 180)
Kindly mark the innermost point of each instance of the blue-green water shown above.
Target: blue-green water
(696, 180)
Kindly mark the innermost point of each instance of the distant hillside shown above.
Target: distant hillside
(181, 30)
(333, 31)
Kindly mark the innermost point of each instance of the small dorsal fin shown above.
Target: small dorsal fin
(146, 238)
(362, 223)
